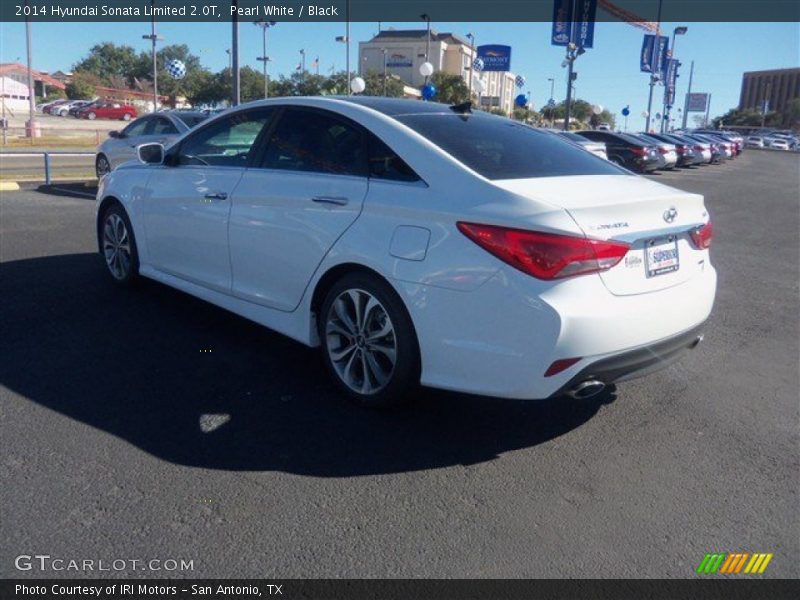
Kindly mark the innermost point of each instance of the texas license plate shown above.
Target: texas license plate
(661, 255)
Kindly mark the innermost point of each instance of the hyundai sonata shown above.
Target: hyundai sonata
(416, 242)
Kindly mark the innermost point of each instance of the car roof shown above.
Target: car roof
(395, 107)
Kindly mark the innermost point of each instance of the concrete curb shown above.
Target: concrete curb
(9, 186)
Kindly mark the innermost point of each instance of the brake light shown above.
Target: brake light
(639, 150)
(680, 149)
(662, 150)
(698, 148)
(545, 255)
(701, 236)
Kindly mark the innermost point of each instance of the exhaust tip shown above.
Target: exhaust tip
(586, 389)
(696, 342)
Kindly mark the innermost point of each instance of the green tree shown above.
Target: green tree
(82, 86)
(450, 89)
(107, 60)
(374, 85)
(204, 87)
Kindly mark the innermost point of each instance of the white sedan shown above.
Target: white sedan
(417, 242)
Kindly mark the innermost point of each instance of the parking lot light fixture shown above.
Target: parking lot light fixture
(265, 25)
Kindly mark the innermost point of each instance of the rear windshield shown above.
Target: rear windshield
(499, 148)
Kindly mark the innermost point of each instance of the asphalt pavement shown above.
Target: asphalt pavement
(147, 424)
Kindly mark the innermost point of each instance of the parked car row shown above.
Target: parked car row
(90, 109)
(776, 141)
(645, 152)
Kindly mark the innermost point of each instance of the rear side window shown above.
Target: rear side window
(318, 142)
(385, 164)
(137, 127)
(499, 148)
(162, 126)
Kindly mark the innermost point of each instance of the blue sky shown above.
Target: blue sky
(608, 74)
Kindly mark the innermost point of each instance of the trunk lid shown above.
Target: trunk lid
(655, 219)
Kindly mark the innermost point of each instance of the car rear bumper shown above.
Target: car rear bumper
(500, 339)
(637, 363)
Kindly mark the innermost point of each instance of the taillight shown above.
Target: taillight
(545, 255)
(662, 150)
(680, 149)
(639, 150)
(701, 236)
(698, 148)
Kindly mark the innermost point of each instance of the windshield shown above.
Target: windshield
(499, 148)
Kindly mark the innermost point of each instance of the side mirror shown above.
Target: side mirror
(116, 134)
(150, 154)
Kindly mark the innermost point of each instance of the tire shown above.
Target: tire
(617, 161)
(101, 165)
(126, 117)
(118, 246)
(357, 348)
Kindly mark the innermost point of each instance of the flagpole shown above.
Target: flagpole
(656, 67)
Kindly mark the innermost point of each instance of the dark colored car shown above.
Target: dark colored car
(683, 148)
(626, 150)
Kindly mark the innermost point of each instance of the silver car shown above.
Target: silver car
(161, 127)
(596, 148)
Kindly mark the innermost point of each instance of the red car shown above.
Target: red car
(109, 110)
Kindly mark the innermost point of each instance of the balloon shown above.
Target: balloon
(626, 111)
(175, 68)
(479, 85)
(521, 100)
(428, 91)
(519, 81)
(645, 113)
(477, 64)
(357, 85)
(426, 69)
(597, 109)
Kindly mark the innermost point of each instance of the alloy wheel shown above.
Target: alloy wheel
(117, 246)
(102, 167)
(361, 341)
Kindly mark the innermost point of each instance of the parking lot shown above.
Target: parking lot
(151, 425)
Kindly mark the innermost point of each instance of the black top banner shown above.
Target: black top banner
(391, 10)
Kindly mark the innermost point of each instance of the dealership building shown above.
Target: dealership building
(778, 87)
(405, 52)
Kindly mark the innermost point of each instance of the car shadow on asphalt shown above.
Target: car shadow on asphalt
(195, 385)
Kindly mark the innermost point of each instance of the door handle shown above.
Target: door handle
(217, 196)
(338, 200)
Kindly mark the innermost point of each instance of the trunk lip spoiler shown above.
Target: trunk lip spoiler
(635, 236)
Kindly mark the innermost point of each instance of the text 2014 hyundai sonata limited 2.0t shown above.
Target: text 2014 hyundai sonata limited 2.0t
(417, 242)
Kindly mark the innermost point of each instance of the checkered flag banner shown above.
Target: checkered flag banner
(175, 68)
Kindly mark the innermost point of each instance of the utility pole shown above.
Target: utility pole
(573, 53)
(153, 37)
(236, 95)
(686, 100)
(667, 112)
(655, 66)
(32, 125)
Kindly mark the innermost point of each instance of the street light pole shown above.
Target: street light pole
(667, 112)
(236, 95)
(264, 26)
(153, 37)
(656, 65)
(472, 58)
(384, 50)
(427, 19)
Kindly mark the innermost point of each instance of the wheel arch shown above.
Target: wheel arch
(104, 205)
(334, 274)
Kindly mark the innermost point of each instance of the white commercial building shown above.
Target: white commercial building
(404, 52)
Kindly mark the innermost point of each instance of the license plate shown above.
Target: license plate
(661, 256)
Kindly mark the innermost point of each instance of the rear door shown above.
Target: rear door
(307, 189)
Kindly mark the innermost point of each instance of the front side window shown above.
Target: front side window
(499, 148)
(137, 127)
(316, 141)
(227, 142)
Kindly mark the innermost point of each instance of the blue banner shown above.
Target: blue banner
(652, 53)
(573, 21)
(669, 81)
(495, 57)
